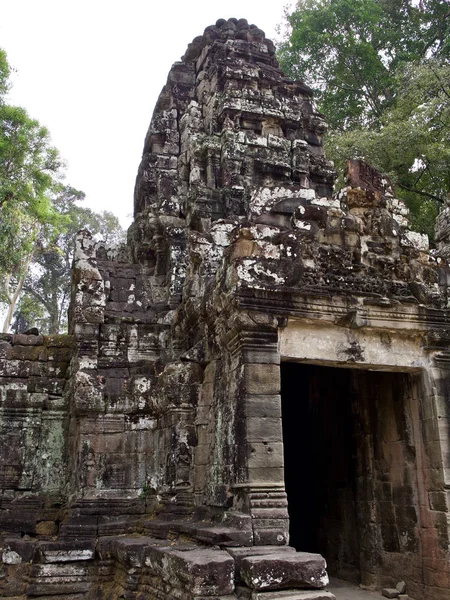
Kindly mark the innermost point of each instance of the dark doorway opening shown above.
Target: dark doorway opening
(350, 468)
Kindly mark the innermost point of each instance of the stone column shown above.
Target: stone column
(433, 455)
(260, 489)
(436, 435)
(86, 399)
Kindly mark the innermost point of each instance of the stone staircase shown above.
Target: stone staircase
(138, 566)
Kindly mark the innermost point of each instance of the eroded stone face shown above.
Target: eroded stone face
(157, 428)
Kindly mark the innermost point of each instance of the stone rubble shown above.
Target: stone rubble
(390, 593)
(401, 587)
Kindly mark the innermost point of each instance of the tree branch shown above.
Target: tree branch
(38, 297)
(421, 193)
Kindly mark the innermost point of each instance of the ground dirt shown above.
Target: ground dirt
(347, 591)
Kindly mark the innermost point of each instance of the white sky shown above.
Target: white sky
(91, 72)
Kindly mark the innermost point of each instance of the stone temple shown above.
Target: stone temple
(254, 391)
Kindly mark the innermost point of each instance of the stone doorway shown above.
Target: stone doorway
(351, 469)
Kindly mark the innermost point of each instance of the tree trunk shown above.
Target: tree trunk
(54, 316)
(14, 296)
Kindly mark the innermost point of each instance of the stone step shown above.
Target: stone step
(216, 535)
(222, 536)
(195, 570)
(266, 569)
(294, 595)
(80, 527)
(66, 551)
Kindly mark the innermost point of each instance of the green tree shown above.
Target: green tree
(28, 314)
(48, 282)
(39, 218)
(349, 51)
(5, 71)
(30, 168)
(380, 70)
(412, 143)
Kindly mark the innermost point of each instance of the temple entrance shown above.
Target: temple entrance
(350, 465)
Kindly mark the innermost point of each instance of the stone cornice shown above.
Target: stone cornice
(360, 312)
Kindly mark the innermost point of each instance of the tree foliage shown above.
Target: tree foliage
(5, 71)
(413, 142)
(380, 69)
(47, 284)
(39, 218)
(30, 169)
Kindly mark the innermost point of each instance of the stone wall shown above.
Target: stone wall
(34, 424)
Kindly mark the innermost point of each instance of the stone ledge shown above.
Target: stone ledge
(240, 553)
(200, 571)
(283, 570)
(294, 595)
(223, 536)
(71, 551)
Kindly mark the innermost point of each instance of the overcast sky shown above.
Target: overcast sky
(91, 71)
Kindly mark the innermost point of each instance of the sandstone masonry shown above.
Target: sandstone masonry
(263, 362)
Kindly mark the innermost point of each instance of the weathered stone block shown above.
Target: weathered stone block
(22, 550)
(261, 356)
(256, 406)
(202, 572)
(62, 552)
(12, 522)
(401, 587)
(55, 588)
(34, 352)
(284, 570)
(11, 557)
(263, 429)
(240, 553)
(202, 454)
(59, 341)
(294, 595)
(265, 455)
(70, 571)
(224, 536)
(273, 475)
(390, 593)
(46, 528)
(262, 379)
(28, 340)
(276, 536)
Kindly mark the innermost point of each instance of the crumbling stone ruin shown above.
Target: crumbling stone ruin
(263, 362)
